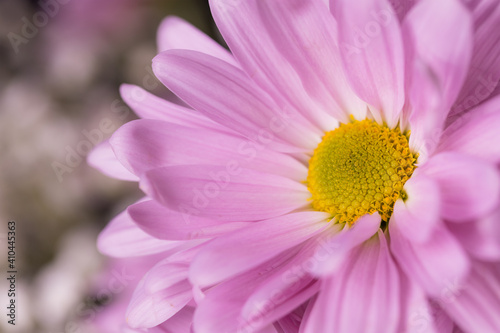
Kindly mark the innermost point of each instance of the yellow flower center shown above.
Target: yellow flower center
(360, 168)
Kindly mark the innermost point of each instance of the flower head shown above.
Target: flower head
(327, 175)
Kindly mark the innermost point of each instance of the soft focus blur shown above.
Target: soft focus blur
(62, 62)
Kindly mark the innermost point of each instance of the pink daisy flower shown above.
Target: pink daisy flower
(337, 172)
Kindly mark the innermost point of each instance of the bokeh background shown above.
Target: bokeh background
(61, 65)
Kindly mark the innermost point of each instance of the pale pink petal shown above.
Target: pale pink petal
(161, 293)
(332, 253)
(424, 110)
(421, 314)
(428, 26)
(123, 238)
(104, 159)
(179, 323)
(475, 304)
(225, 94)
(290, 286)
(142, 145)
(433, 264)
(470, 187)
(149, 106)
(419, 214)
(253, 245)
(372, 51)
(241, 195)
(220, 310)
(164, 223)
(480, 237)
(176, 33)
(476, 132)
(484, 72)
(363, 297)
(290, 51)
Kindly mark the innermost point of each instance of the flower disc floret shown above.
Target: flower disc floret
(360, 168)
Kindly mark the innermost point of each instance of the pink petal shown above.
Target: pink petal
(291, 322)
(178, 323)
(481, 237)
(419, 214)
(363, 297)
(103, 159)
(176, 33)
(437, 66)
(298, 54)
(149, 106)
(429, 26)
(233, 194)
(470, 187)
(220, 310)
(433, 264)
(253, 245)
(164, 223)
(402, 7)
(475, 304)
(372, 51)
(484, 72)
(161, 293)
(425, 112)
(476, 133)
(142, 145)
(123, 238)
(332, 253)
(290, 286)
(421, 313)
(226, 95)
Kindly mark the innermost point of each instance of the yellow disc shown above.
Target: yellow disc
(360, 168)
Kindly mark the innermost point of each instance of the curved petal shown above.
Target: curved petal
(437, 67)
(297, 59)
(161, 293)
(433, 264)
(253, 245)
(332, 253)
(429, 26)
(149, 106)
(475, 303)
(176, 33)
(142, 145)
(164, 223)
(419, 214)
(481, 238)
(123, 238)
(363, 297)
(104, 159)
(476, 132)
(220, 310)
(484, 71)
(470, 187)
(226, 95)
(289, 286)
(179, 323)
(423, 314)
(228, 193)
(372, 52)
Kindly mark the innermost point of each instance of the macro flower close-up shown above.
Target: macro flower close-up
(319, 166)
(331, 174)
(336, 171)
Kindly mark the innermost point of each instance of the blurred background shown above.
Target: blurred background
(61, 65)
